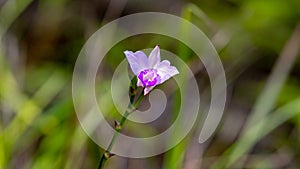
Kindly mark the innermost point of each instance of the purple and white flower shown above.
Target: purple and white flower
(150, 71)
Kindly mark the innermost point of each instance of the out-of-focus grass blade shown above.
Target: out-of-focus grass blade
(254, 133)
(54, 136)
(79, 139)
(2, 146)
(201, 15)
(30, 108)
(174, 158)
(10, 11)
(265, 102)
(27, 109)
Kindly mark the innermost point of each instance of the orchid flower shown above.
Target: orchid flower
(150, 71)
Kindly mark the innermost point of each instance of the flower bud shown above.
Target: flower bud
(107, 155)
(118, 126)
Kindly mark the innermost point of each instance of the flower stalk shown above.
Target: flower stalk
(119, 125)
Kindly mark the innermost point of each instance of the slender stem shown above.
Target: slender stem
(129, 110)
(106, 154)
(138, 100)
(124, 118)
(102, 161)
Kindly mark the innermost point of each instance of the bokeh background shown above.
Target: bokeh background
(258, 42)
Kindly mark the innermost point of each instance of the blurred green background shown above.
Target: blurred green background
(258, 43)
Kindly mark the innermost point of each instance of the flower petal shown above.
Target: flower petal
(147, 90)
(138, 61)
(154, 57)
(165, 70)
(139, 83)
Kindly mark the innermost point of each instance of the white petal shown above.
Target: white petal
(154, 57)
(165, 70)
(138, 61)
(139, 83)
(147, 90)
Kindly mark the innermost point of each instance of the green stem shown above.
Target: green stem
(102, 161)
(117, 132)
(129, 110)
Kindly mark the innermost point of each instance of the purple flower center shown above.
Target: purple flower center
(149, 77)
